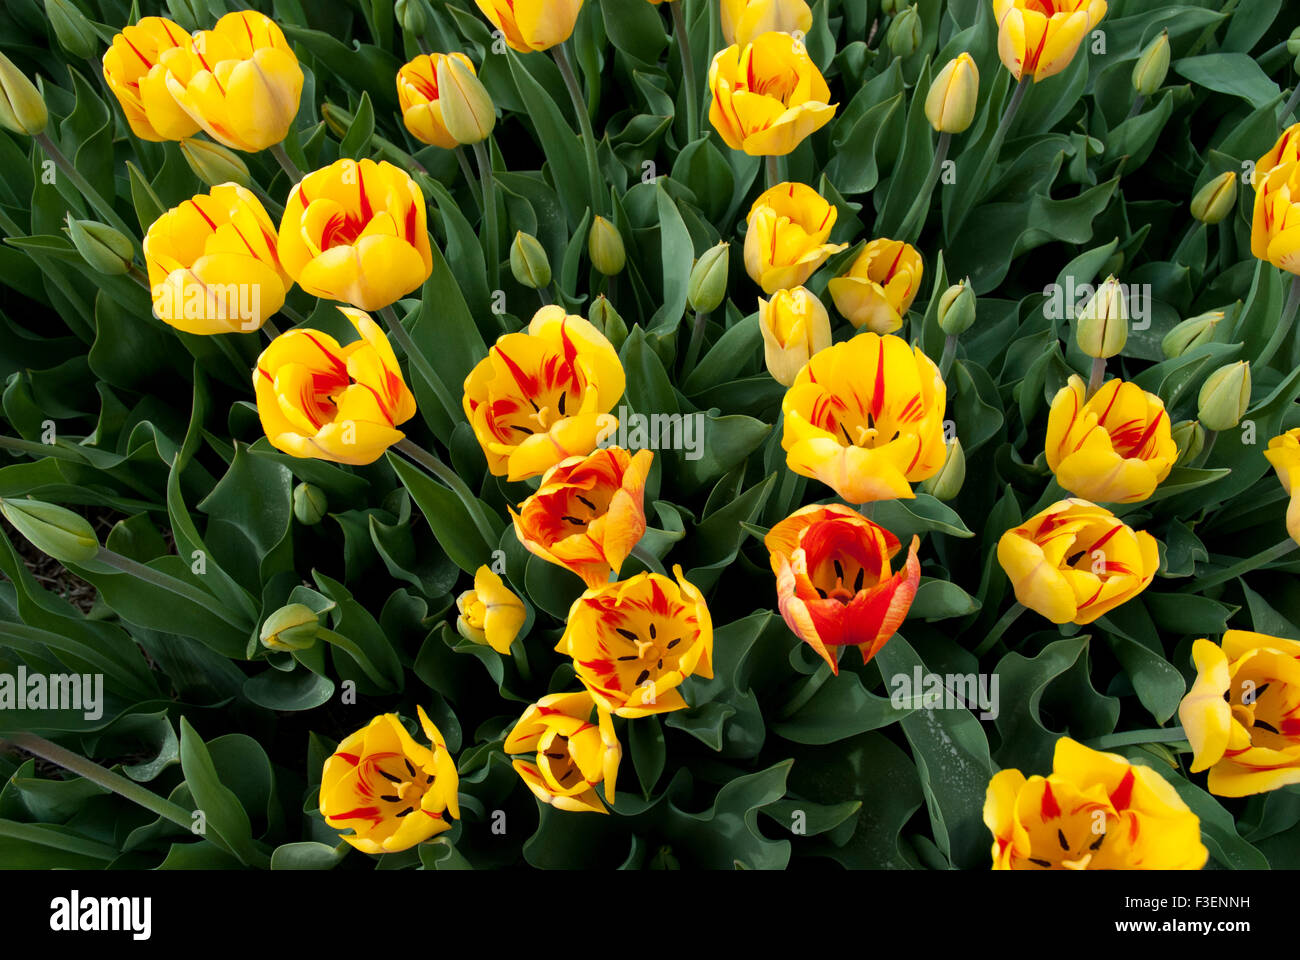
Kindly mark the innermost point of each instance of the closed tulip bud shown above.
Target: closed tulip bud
(73, 30)
(309, 504)
(1225, 397)
(1192, 332)
(608, 321)
(528, 261)
(891, 7)
(21, 108)
(957, 309)
(605, 245)
(795, 326)
(1293, 43)
(337, 120)
(467, 108)
(947, 483)
(905, 33)
(410, 14)
(1189, 437)
(1152, 66)
(954, 94)
(214, 164)
(66, 536)
(105, 249)
(292, 627)
(1102, 325)
(1214, 201)
(708, 285)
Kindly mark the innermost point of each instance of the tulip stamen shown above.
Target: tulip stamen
(1041, 863)
(1060, 838)
(406, 811)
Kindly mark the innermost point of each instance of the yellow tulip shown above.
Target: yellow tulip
(1242, 715)
(357, 233)
(954, 95)
(880, 285)
(213, 264)
(1275, 231)
(1076, 561)
(1286, 149)
(490, 613)
(341, 403)
(417, 94)
(1094, 811)
(572, 754)
(134, 72)
(543, 395)
(635, 641)
(786, 238)
(865, 417)
(768, 95)
(467, 108)
(1039, 38)
(528, 25)
(1115, 448)
(391, 791)
(1284, 454)
(239, 81)
(743, 20)
(794, 325)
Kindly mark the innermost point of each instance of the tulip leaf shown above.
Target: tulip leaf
(221, 810)
(646, 743)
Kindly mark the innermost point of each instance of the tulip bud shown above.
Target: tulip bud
(73, 30)
(1152, 66)
(1189, 437)
(105, 249)
(1215, 200)
(21, 108)
(608, 321)
(309, 504)
(336, 119)
(214, 164)
(528, 261)
(891, 7)
(1102, 325)
(1293, 43)
(708, 284)
(410, 14)
(292, 627)
(605, 245)
(957, 309)
(1192, 332)
(467, 109)
(66, 536)
(954, 94)
(1225, 397)
(905, 33)
(947, 483)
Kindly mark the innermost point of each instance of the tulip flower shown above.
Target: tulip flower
(1225, 396)
(1214, 201)
(956, 311)
(1286, 149)
(1094, 811)
(1242, 715)
(588, 513)
(104, 249)
(743, 20)
(954, 95)
(214, 164)
(357, 233)
(1274, 235)
(1152, 66)
(239, 81)
(794, 325)
(1076, 561)
(1190, 333)
(134, 72)
(53, 529)
(707, 287)
(528, 25)
(213, 263)
(865, 417)
(490, 613)
(417, 94)
(634, 641)
(529, 263)
(310, 504)
(340, 403)
(543, 395)
(1115, 448)
(1039, 40)
(768, 96)
(834, 584)
(786, 238)
(572, 754)
(292, 627)
(879, 287)
(468, 112)
(1284, 454)
(1101, 329)
(605, 247)
(391, 791)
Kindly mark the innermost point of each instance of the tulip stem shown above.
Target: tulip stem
(1289, 107)
(773, 172)
(467, 172)
(697, 341)
(138, 275)
(561, 54)
(169, 583)
(649, 560)
(1097, 377)
(102, 206)
(914, 222)
(967, 199)
(1246, 566)
(519, 653)
(999, 628)
(949, 355)
(688, 71)
(491, 241)
(417, 359)
(115, 782)
(1204, 456)
(1138, 103)
(270, 329)
(286, 164)
(452, 479)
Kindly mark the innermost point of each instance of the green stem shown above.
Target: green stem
(417, 359)
(949, 355)
(519, 653)
(808, 689)
(297, 318)
(1247, 565)
(139, 276)
(990, 156)
(492, 245)
(467, 172)
(270, 329)
(286, 164)
(999, 628)
(102, 206)
(452, 479)
(1204, 456)
(1129, 738)
(561, 54)
(1097, 376)
(649, 560)
(914, 222)
(167, 582)
(1283, 327)
(688, 71)
(1289, 107)
(1138, 103)
(696, 343)
(773, 172)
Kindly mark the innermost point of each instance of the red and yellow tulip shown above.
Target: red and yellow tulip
(134, 72)
(1039, 38)
(417, 94)
(1286, 149)
(572, 755)
(528, 25)
(878, 288)
(794, 325)
(490, 613)
(1284, 454)
(786, 238)
(1275, 230)
(743, 20)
